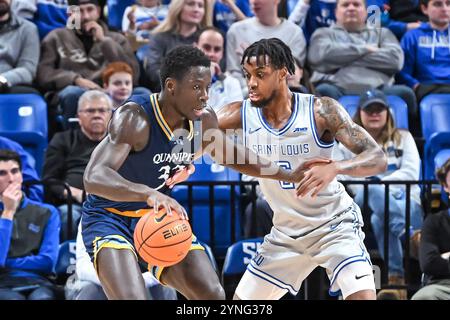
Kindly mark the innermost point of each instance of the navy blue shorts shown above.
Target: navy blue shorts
(103, 229)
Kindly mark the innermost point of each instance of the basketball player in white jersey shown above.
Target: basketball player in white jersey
(315, 222)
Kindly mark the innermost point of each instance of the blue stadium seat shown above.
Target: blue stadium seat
(399, 108)
(116, 8)
(65, 265)
(435, 115)
(209, 171)
(23, 118)
(237, 258)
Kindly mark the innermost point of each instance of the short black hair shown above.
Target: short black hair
(209, 28)
(10, 155)
(180, 60)
(424, 2)
(279, 54)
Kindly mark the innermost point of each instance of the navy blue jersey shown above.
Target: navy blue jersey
(165, 153)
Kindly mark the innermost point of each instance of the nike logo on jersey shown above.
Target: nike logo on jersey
(364, 275)
(158, 220)
(304, 129)
(250, 131)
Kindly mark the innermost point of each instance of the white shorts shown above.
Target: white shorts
(282, 262)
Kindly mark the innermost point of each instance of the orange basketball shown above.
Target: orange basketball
(162, 240)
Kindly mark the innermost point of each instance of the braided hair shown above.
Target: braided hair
(277, 51)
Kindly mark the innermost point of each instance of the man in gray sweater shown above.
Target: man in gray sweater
(351, 57)
(265, 24)
(73, 58)
(19, 51)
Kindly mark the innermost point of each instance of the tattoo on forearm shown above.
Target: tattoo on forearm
(355, 138)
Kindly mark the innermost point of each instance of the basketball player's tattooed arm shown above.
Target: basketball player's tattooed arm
(128, 130)
(230, 154)
(333, 122)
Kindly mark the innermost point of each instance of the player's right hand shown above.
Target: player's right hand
(157, 200)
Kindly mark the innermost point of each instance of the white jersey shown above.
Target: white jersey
(290, 147)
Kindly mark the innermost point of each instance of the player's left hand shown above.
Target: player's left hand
(316, 178)
(180, 176)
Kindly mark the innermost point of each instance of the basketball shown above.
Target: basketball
(162, 240)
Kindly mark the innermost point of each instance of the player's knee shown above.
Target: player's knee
(362, 295)
(214, 291)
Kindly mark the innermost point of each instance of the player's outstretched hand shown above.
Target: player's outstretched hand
(317, 175)
(180, 176)
(299, 173)
(158, 200)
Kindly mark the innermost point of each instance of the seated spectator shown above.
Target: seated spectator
(19, 52)
(427, 58)
(29, 237)
(434, 248)
(224, 88)
(184, 18)
(141, 18)
(68, 154)
(73, 59)
(118, 83)
(314, 14)
(24, 8)
(35, 192)
(265, 24)
(350, 58)
(86, 284)
(227, 12)
(373, 114)
(50, 15)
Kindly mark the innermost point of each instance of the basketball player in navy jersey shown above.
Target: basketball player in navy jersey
(316, 223)
(149, 139)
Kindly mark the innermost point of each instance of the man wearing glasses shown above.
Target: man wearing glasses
(68, 154)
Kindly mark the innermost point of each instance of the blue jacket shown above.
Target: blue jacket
(50, 15)
(41, 222)
(427, 56)
(28, 171)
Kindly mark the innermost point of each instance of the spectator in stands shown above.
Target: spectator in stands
(265, 24)
(19, 52)
(427, 58)
(29, 237)
(29, 173)
(85, 285)
(50, 15)
(314, 14)
(68, 154)
(24, 8)
(373, 114)
(349, 57)
(118, 83)
(73, 59)
(434, 248)
(184, 18)
(141, 18)
(227, 12)
(224, 88)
